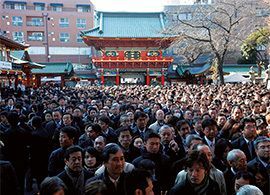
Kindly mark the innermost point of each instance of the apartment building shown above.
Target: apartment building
(51, 28)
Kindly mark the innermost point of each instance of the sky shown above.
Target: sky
(133, 5)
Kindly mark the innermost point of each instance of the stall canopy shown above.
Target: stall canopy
(236, 78)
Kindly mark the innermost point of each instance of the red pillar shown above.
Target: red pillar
(162, 77)
(147, 77)
(117, 78)
(102, 77)
(62, 81)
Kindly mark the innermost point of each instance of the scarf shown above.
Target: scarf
(202, 188)
(77, 179)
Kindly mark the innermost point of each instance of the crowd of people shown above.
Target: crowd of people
(123, 140)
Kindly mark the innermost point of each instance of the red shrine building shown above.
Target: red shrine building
(129, 47)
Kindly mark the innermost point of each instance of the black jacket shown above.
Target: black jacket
(56, 162)
(255, 166)
(241, 144)
(186, 188)
(111, 189)
(71, 189)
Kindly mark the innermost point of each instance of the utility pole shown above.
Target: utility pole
(46, 37)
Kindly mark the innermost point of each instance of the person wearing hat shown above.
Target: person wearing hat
(260, 165)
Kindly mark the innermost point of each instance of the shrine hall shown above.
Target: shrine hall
(129, 47)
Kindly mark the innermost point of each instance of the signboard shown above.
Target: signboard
(5, 65)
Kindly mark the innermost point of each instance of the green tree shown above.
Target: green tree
(249, 48)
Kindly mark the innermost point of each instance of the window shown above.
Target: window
(64, 37)
(83, 8)
(63, 22)
(57, 8)
(79, 39)
(18, 6)
(35, 36)
(18, 36)
(17, 21)
(35, 22)
(185, 16)
(39, 6)
(81, 23)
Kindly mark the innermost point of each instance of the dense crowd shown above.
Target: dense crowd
(177, 139)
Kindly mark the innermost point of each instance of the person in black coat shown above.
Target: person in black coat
(197, 179)
(56, 160)
(114, 176)
(260, 166)
(162, 162)
(246, 141)
(39, 148)
(74, 176)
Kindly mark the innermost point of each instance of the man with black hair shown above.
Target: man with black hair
(260, 165)
(210, 131)
(67, 138)
(140, 119)
(152, 152)
(246, 141)
(113, 176)
(107, 131)
(74, 176)
(124, 135)
(139, 182)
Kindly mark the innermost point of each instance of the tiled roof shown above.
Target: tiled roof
(55, 68)
(128, 25)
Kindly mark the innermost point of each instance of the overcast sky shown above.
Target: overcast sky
(133, 5)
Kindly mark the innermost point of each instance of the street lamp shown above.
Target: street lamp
(46, 38)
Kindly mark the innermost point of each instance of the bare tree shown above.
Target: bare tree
(216, 28)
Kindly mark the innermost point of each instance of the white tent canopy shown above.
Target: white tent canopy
(236, 78)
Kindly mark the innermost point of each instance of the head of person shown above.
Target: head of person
(152, 142)
(249, 190)
(115, 109)
(197, 123)
(13, 118)
(249, 129)
(193, 140)
(77, 112)
(237, 113)
(262, 148)
(222, 147)
(139, 182)
(256, 107)
(237, 160)
(91, 157)
(183, 128)
(99, 143)
(73, 158)
(36, 122)
(48, 116)
(67, 119)
(52, 186)
(141, 119)
(197, 167)
(242, 178)
(97, 187)
(124, 120)
(221, 119)
(206, 150)
(93, 131)
(209, 127)
(124, 135)
(104, 122)
(67, 136)
(57, 115)
(113, 159)
(166, 134)
(62, 101)
(188, 115)
(92, 112)
(160, 115)
(138, 142)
